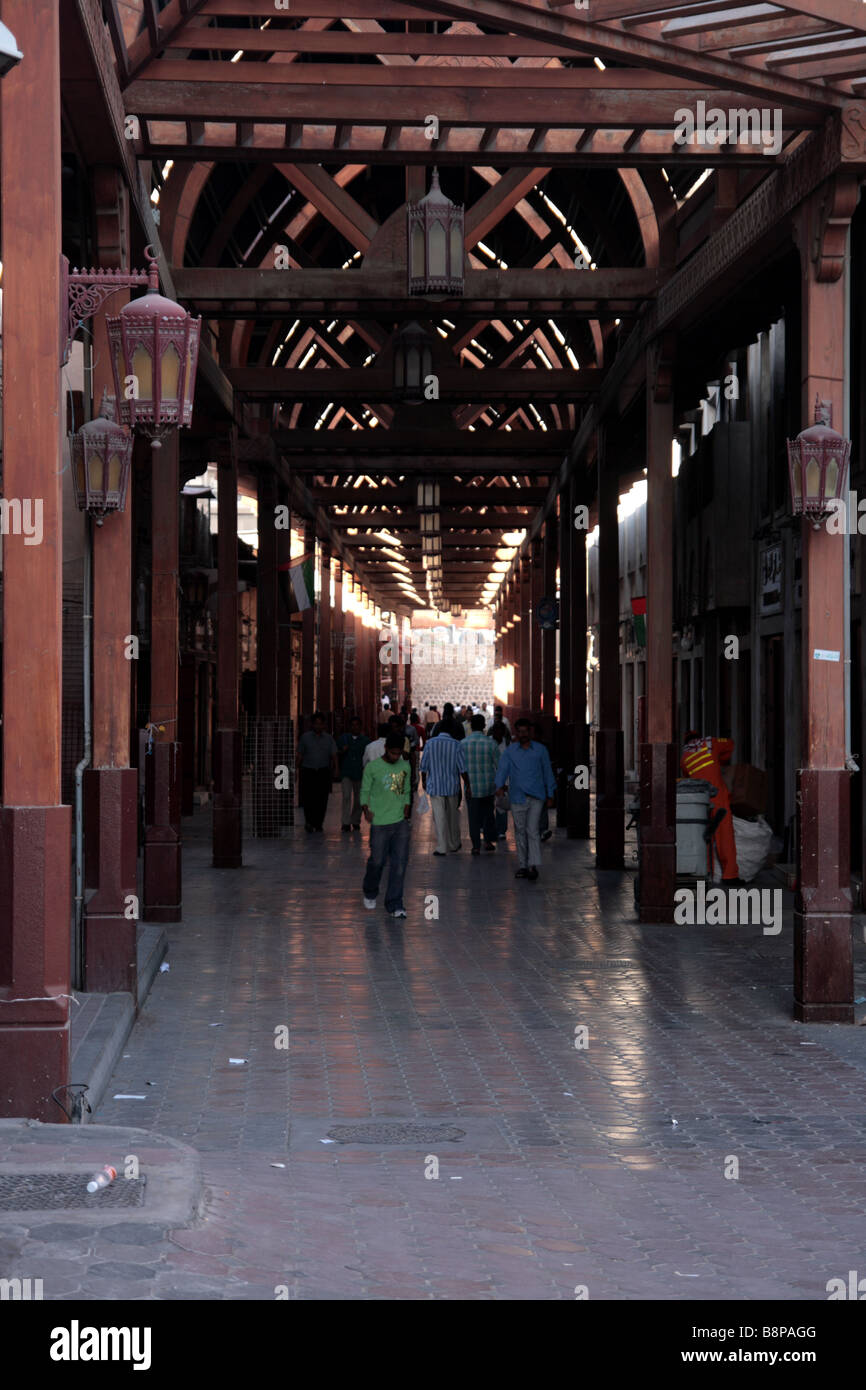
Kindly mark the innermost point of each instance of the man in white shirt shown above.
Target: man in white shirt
(497, 718)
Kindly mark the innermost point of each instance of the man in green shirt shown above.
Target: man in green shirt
(386, 803)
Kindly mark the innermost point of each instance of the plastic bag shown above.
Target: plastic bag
(422, 804)
(752, 840)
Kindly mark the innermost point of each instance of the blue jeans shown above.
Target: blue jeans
(388, 844)
(481, 820)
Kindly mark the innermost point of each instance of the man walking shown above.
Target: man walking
(385, 803)
(350, 750)
(317, 769)
(449, 723)
(525, 766)
(441, 781)
(477, 760)
(498, 721)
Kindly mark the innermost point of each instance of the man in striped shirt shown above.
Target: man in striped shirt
(440, 778)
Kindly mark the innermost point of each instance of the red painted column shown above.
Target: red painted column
(823, 965)
(308, 634)
(266, 611)
(284, 613)
(269, 755)
(548, 636)
(110, 785)
(610, 771)
(162, 835)
(536, 582)
(524, 642)
(658, 756)
(324, 698)
(228, 762)
(572, 658)
(339, 652)
(34, 827)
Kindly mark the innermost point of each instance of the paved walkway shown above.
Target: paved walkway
(558, 1167)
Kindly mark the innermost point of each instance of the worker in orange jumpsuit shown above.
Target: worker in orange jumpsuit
(703, 758)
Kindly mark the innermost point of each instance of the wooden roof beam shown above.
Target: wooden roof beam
(587, 32)
(368, 384)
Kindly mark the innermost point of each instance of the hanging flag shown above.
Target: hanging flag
(638, 608)
(301, 575)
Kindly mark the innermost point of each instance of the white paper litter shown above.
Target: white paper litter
(237, 1061)
(453, 1179)
(278, 1165)
(125, 1097)
(687, 1276)
(327, 1141)
(164, 967)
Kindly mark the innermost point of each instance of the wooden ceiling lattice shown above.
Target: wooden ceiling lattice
(563, 125)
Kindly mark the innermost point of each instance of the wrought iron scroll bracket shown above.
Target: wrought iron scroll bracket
(83, 293)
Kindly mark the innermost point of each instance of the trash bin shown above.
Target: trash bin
(693, 804)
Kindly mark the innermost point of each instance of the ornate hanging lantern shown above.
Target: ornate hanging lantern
(434, 228)
(427, 497)
(101, 454)
(154, 356)
(818, 465)
(413, 362)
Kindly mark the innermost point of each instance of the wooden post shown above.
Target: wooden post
(573, 660)
(162, 836)
(308, 649)
(823, 964)
(658, 756)
(536, 593)
(548, 636)
(284, 613)
(340, 722)
(34, 827)
(610, 772)
(325, 697)
(266, 609)
(228, 770)
(110, 785)
(269, 755)
(523, 696)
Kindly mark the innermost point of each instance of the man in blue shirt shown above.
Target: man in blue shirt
(440, 778)
(525, 766)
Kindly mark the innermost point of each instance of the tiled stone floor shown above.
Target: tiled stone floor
(572, 1172)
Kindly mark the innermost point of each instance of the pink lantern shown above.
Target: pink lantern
(434, 228)
(154, 355)
(101, 454)
(818, 465)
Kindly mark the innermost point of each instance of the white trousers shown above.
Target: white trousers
(447, 822)
(526, 835)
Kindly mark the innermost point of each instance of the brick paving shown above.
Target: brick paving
(571, 1171)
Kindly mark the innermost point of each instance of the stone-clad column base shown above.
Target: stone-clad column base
(609, 805)
(162, 837)
(34, 959)
(111, 869)
(658, 832)
(823, 958)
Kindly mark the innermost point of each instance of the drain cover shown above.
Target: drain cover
(63, 1191)
(396, 1134)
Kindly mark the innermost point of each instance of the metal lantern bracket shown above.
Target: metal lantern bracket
(83, 292)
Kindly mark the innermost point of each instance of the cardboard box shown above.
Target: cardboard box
(748, 791)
